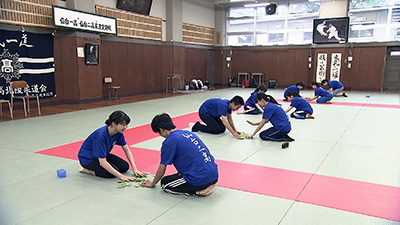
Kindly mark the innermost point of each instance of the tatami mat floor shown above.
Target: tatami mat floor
(355, 142)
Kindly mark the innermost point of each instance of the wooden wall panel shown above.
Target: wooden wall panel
(142, 68)
(89, 76)
(134, 78)
(371, 62)
(366, 71)
(290, 66)
(219, 63)
(154, 79)
(269, 62)
(66, 70)
(301, 72)
(195, 64)
(285, 69)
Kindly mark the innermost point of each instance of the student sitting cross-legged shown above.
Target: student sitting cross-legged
(94, 154)
(197, 171)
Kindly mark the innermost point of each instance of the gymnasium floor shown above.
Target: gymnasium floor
(343, 168)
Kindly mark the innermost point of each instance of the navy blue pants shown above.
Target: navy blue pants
(272, 134)
(119, 164)
(298, 113)
(213, 125)
(252, 112)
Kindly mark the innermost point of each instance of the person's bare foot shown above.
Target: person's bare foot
(209, 190)
(84, 170)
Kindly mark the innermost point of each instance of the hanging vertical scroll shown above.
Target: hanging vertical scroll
(321, 67)
(336, 62)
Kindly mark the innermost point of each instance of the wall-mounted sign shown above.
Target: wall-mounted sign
(336, 63)
(74, 19)
(321, 67)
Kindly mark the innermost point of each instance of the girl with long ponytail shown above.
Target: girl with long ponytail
(302, 106)
(275, 114)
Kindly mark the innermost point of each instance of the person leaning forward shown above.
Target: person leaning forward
(216, 113)
(197, 171)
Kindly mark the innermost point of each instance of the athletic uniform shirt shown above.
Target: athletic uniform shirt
(190, 157)
(301, 104)
(319, 91)
(292, 88)
(98, 145)
(335, 84)
(251, 101)
(277, 116)
(215, 107)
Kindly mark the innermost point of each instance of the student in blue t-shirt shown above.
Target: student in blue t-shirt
(94, 154)
(293, 88)
(272, 113)
(216, 114)
(335, 87)
(197, 171)
(251, 106)
(302, 106)
(320, 94)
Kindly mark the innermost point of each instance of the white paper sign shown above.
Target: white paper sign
(73, 19)
(336, 62)
(81, 52)
(321, 67)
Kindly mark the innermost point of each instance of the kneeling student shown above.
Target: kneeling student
(278, 118)
(302, 106)
(197, 171)
(320, 94)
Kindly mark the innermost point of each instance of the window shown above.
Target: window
(374, 20)
(291, 24)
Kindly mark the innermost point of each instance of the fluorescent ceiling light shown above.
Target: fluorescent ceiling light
(257, 4)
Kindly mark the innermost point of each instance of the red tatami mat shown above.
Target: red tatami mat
(132, 136)
(261, 179)
(354, 196)
(349, 195)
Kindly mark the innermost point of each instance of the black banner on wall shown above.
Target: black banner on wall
(30, 57)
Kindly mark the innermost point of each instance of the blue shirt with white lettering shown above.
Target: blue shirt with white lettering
(98, 145)
(190, 157)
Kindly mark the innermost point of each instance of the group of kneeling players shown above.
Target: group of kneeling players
(197, 172)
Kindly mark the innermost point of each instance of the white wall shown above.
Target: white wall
(198, 14)
(331, 9)
(106, 3)
(158, 9)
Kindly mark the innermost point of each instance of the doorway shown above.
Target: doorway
(391, 76)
